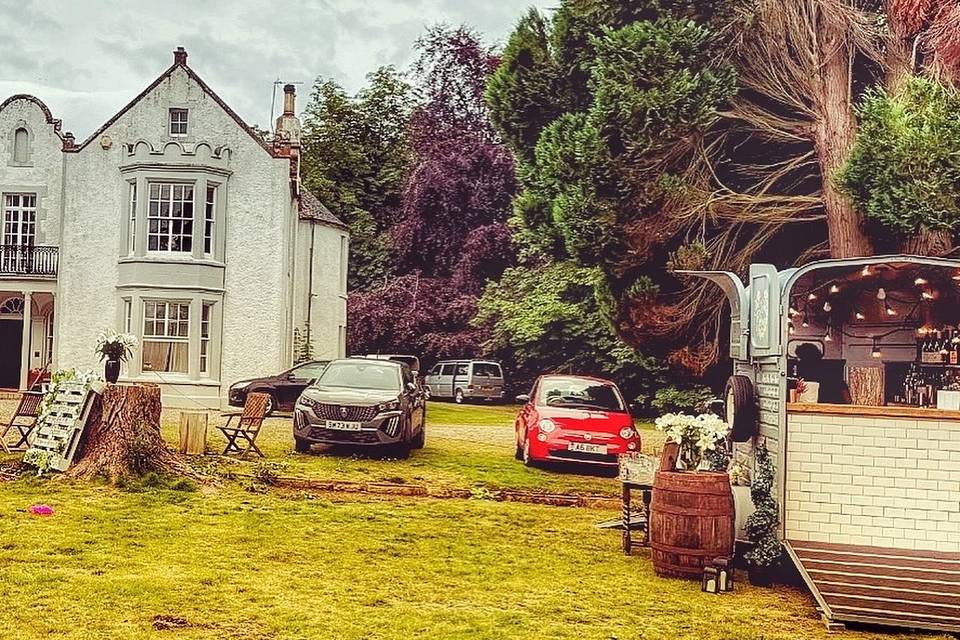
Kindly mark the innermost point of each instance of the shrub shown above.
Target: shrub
(762, 524)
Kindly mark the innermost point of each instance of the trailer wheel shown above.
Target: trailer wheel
(741, 408)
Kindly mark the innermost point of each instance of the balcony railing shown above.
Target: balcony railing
(29, 260)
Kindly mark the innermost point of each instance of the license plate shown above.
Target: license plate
(344, 426)
(583, 447)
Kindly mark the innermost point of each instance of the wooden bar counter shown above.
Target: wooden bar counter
(888, 411)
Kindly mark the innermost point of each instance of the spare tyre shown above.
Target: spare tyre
(741, 408)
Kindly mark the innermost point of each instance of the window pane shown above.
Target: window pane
(165, 356)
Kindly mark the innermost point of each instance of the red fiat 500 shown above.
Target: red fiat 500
(574, 419)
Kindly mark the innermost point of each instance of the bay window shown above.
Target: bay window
(209, 218)
(170, 217)
(166, 336)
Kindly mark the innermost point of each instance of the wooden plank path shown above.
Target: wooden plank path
(875, 585)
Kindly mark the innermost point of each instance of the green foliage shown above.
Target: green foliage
(691, 400)
(355, 156)
(521, 93)
(762, 525)
(549, 319)
(904, 171)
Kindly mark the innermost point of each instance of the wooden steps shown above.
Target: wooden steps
(892, 587)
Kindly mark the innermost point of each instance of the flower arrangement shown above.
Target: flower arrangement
(112, 345)
(701, 439)
(739, 475)
(57, 381)
(801, 386)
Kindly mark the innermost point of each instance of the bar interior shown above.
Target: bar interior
(879, 335)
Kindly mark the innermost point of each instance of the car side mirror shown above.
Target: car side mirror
(523, 398)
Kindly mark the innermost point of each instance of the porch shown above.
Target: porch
(27, 331)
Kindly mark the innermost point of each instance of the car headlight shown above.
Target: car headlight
(627, 433)
(393, 405)
(547, 425)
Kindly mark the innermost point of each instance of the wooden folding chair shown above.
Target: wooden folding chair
(248, 426)
(24, 420)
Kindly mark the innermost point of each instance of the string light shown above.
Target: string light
(859, 315)
(928, 295)
(827, 307)
(876, 353)
(866, 271)
(890, 310)
(835, 289)
(881, 294)
(920, 282)
(805, 323)
(828, 337)
(793, 312)
(812, 297)
(791, 330)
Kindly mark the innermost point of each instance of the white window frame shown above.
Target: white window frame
(132, 203)
(167, 323)
(210, 219)
(19, 219)
(178, 122)
(156, 215)
(206, 323)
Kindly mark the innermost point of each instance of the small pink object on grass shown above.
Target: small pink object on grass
(41, 510)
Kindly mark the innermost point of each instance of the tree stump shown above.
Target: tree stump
(122, 438)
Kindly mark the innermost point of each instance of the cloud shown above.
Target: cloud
(86, 60)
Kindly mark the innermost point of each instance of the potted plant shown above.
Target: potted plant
(763, 559)
(691, 512)
(114, 348)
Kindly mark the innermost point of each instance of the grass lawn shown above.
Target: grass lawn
(231, 564)
(468, 446)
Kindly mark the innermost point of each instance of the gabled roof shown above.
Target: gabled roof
(40, 103)
(179, 61)
(312, 209)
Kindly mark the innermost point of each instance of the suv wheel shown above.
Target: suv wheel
(300, 445)
(458, 396)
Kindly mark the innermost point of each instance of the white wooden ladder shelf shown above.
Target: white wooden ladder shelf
(57, 434)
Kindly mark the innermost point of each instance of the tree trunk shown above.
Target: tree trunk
(929, 243)
(122, 438)
(834, 134)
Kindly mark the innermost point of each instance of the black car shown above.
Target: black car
(359, 401)
(284, 388)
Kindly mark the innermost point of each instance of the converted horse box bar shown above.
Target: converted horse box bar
(850, 371)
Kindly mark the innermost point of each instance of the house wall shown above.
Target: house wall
(873, 481)
(254, 308)
(42, 174)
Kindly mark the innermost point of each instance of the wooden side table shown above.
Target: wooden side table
(627, 489)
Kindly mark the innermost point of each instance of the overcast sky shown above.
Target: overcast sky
(86, 59)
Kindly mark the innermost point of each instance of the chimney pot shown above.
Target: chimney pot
(180, 56)
(289, 99)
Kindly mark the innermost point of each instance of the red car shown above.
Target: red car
(574, 419)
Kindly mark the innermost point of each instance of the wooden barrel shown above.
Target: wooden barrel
(691, 522)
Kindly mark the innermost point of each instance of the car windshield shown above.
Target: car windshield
(574, 393)
(361, 375)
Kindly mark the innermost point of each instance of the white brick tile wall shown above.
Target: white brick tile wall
(875, 481)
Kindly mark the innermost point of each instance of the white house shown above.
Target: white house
(174, 221)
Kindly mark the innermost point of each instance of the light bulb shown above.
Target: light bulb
(920, 282)
(881, 294)
(860, 316)
(793, 312)
(791, 330)
(804, 323)
(927, 295)
(891, 311)
(828, 337)
(812, 296)
(866, 271)
(876, 353)
(834, 289)
(827, 307)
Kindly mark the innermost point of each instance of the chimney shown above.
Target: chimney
(180, 56)
(289, 99)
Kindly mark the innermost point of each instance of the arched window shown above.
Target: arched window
(21, 146)
(11, 307)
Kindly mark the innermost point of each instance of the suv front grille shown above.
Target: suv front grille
(353, 437)
(349, 414)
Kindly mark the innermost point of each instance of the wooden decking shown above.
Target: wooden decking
(893, 587)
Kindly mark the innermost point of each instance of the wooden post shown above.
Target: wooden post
(193, 433)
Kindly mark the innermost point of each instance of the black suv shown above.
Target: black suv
(284, 388)
(359, 401)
